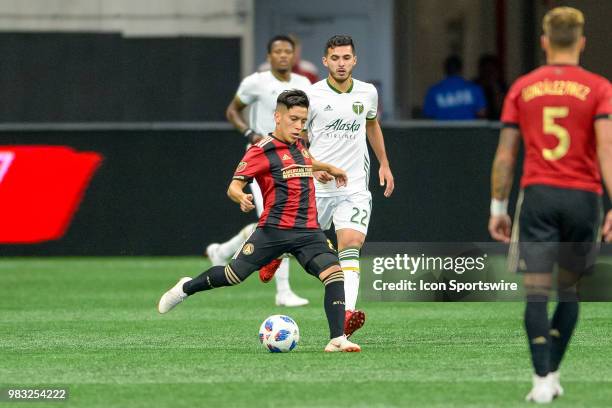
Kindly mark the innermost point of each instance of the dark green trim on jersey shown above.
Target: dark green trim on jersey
(240, 100)
(374, 118)
(339, 91)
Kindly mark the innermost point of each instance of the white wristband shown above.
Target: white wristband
(499, 207)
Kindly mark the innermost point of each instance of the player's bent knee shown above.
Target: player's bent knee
(321, 263)
(348, 238)
(537, 286)
(332, 274)
(567, 294)
(355, 242)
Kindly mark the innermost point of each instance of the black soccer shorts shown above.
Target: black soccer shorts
(557, 226)
(310, 247)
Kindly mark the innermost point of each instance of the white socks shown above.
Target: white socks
(349, 262)
(282, 277)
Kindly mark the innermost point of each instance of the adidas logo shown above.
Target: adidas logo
(328, 108)
(286, 157)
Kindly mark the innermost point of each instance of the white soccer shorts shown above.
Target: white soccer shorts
(346, 211)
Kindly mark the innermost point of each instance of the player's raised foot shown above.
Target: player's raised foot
(212, 252)
(556, 384)
(172, 297)
(542, 391)
(353, 321)
(341, 344)
(290, 299)
(266, 273)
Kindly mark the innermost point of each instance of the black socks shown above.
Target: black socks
(334, 303)
(215, 277)
(536, 324)
(561, 330)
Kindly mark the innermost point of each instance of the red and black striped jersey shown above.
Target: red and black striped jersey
(284, 174)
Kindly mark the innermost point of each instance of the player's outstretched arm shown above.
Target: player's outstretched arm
(502, 175)
(235, 193)
(377, 141)
(233, 113)
(603, 133)
(339, 174)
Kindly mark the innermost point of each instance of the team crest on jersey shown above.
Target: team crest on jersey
(248, 249)
(241, 166)
(330, 245)
(305, 153)
(358, 107)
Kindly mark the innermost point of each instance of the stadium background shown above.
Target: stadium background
(151, 80)
(145, 84)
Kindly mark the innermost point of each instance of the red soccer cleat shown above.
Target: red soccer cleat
(267, 272)
(353, 321)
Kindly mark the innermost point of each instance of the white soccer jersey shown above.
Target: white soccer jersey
(337, 132)
(260, 90)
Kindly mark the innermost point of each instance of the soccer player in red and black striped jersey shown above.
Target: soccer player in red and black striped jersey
(563, 113)
(283, 168)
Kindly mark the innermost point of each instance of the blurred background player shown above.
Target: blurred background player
(563, 113)
(343, 112)
(491, 80)
(300, 66)
(281, 164)
(455, 98)
(259, 91)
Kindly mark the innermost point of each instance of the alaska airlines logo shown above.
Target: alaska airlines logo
(297, 170)
(338, 124)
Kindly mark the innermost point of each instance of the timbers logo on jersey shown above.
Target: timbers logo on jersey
(358, 108)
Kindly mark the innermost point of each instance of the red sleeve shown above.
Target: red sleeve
(253, 163)
(510, 112)
(603, 109)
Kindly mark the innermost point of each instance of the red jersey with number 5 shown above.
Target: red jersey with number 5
(555, 108)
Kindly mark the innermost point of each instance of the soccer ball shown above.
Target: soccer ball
(279, 334)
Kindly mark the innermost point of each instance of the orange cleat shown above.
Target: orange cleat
(353, 321)
(266, 273)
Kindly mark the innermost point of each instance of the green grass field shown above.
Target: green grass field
(91, 324)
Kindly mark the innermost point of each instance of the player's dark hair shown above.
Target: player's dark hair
(293, 97)
(453, 65)
(339, 41)
(276, 38)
